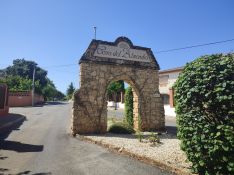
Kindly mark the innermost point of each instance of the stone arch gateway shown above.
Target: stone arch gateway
(104, 62)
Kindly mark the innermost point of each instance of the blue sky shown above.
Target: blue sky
(57, 32)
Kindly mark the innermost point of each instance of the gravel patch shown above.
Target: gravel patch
(167, 152)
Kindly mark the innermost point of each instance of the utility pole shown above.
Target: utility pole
(95, 32)
(33, 86)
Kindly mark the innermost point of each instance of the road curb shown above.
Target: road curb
(147, 160)
(11, 123)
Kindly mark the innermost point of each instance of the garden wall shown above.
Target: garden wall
(24, 98)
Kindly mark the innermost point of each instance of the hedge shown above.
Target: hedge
(128, 106)
(204, 96)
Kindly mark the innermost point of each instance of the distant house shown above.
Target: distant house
(167, 78)
(119, 100)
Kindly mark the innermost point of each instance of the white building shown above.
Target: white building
(167, 78)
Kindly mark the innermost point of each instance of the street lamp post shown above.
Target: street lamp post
(33, 86)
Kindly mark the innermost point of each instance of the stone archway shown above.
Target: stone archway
(104, 62)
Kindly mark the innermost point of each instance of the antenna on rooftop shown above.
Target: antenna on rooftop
(95, 32)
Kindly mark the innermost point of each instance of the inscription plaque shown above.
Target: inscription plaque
(121, 51)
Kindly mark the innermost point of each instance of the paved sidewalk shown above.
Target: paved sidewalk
(6, 122)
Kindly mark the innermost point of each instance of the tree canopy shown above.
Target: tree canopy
(70, 90)
(19, 77)
(24, 69)
(115, 87)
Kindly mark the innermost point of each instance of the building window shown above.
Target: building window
(165, 98)
(163, 80)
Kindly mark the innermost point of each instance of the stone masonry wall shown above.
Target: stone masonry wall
(90, 103)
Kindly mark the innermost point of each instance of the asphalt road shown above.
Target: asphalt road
(42, 145)
(119, 115)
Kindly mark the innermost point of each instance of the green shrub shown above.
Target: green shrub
(139, 136)
(204, 94)
(128, 105)
(154, 138)
(120, 128)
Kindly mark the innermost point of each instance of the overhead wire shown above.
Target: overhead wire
(193, 46)
(157, 52)
(63, 65)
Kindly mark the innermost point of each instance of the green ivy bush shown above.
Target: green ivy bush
(204, 95)
(120, 128)
(128, 106)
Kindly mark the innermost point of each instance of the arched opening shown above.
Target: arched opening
(118, 93)
(104, 62)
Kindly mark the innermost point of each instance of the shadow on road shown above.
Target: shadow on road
(20, 147)
(13, 145)
(5, 170)
(7, 120)
(171, 130)
(3, 157)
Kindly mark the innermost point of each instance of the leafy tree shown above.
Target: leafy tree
(24, 69)
(128, 106)
(49, 91)
(204, 94)
(70, 91)
(115, 87)
(59, 95)
(2, 74)
(19, 77)
(17, 83)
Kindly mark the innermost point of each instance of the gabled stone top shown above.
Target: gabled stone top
(120, 52)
